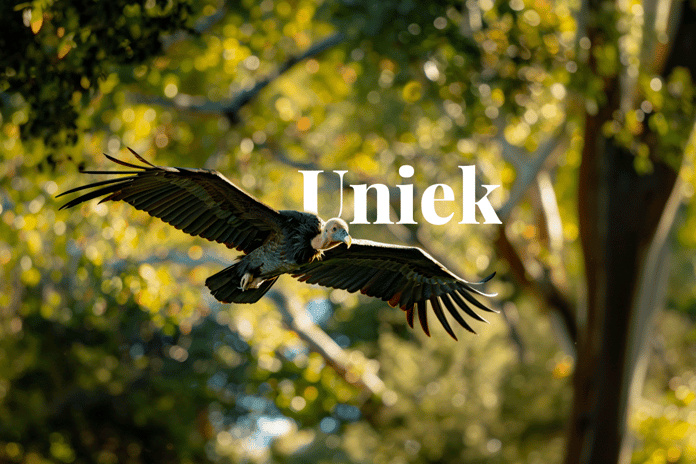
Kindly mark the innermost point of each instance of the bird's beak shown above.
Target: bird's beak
(347, 240)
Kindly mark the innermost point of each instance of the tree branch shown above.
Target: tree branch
(296, 320)
(245, 96)
(319, 342)
(528, 172)
(231, 108)
(542, 287)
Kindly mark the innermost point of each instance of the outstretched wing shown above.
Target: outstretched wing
(200, 202)
(407, 277)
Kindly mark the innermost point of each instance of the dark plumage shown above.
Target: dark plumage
(204, 203)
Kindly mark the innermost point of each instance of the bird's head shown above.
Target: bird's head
(334, 232)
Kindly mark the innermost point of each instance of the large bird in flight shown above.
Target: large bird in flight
(204, 203)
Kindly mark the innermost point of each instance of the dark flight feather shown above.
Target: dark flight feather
(175, 195)
(204, 203)
(412, 279)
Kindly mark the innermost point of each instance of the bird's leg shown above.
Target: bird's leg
(249, 281)
(244, 284)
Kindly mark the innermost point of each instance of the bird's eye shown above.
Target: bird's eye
(333, 229)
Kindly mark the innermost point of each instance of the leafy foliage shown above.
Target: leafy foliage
(112, 350)
(57, 51)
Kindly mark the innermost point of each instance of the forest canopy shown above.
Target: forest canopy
(113, 350)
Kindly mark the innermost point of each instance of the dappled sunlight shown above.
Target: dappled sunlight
(112, 349)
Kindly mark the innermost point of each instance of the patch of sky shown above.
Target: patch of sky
(346, 412)
(329, 425)
(319, 310)
(341, 340)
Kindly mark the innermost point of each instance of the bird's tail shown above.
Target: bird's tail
(225, 286)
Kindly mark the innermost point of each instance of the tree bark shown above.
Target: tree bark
(617, 223)
(619, 214)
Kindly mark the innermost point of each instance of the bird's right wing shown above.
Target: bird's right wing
(407, 277)
(200, 202)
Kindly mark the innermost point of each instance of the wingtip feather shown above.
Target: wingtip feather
(124, 163)
(423, 317)
(458, 317)
(142, 160)
(409, 316)
(437, 309)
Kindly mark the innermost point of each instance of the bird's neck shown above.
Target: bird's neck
(319, 242)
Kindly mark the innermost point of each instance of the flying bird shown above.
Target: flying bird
(204, 203)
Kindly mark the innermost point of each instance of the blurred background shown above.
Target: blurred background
(112, 350)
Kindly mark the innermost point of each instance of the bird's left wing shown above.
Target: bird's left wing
(200, 202)
(406, 277)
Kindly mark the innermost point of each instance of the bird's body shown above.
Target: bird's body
(204, 203)
(283, 252)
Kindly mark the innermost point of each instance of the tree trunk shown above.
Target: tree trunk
(619, 213)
